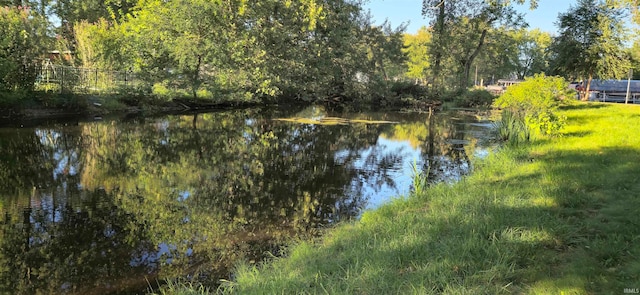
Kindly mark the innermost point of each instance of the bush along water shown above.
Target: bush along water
(475, 98)
(529, 108)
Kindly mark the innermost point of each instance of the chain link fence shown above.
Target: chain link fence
(68, 79)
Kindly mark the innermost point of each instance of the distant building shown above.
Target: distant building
(501, 86)
(612, 90)
(56, 55)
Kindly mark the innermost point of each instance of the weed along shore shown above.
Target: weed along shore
(556, 216)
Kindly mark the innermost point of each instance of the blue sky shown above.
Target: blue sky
(398, 11)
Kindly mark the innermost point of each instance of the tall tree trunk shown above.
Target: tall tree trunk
(464, 82)
(437, 57)
(585, 97)
(195, 81)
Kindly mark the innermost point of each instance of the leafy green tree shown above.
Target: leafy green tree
(460, 29)
(41, 7)
(634, 55)
(298, 49)
(312, 50)
(499, 57)
(590, 43)
(23, 39)
(513, 54)
(72, 11)
(416, 47)
(632, 6)
(385, 48)
(195, 36)
(342, 52)
(532, 48)
(10, 3)
(100, 45)
(183, 44)
(290, 53)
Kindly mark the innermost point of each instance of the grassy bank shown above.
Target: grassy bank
(557, 217)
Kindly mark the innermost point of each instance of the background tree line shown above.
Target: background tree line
(593, 40)
(245, 50)
(310, 49)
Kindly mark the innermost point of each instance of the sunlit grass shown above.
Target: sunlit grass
(559, 216)
(181, 288)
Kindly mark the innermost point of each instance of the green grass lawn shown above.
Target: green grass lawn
(559, 216)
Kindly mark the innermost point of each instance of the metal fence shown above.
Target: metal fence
(60, 78)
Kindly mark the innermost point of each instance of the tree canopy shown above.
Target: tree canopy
(460, 29)
(306, 50)
(591, 42)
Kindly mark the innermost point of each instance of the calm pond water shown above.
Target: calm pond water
(113, 206)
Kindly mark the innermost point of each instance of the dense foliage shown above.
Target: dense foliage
(297, 49)
(455, 23)
(475, 98)
(534, 102)
(238, 50)
(591, 43)
(302, 50)
(22, 39)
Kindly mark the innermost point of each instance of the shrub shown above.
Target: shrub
(384, 94)
(475, 98)
(204, 93)
(11, 98)
(160, 90)
(534, 101)
(451, 95)
(409, 88)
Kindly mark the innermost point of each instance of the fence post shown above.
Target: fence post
(626, 100)
(62, 79)
(96, 86)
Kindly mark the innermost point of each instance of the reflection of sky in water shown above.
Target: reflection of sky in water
(64, 161)
(385, 170)
(481, 152)
(389, 181)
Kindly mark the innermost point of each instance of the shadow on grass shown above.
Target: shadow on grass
(577, 134)
(587, 237)
(583, 106)
(598, 197)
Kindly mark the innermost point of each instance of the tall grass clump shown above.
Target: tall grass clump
(530, 108)
(512, 128)
(181, 288)
(420, 179)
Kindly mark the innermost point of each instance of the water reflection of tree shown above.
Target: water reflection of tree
(445, 143)
(210, 184)
(197, 192)
(53, 235)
